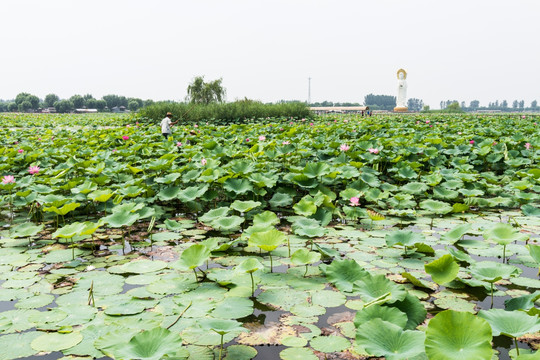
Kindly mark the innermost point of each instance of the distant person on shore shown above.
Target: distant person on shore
(166, 124)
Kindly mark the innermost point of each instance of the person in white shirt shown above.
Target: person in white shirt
(166, 125)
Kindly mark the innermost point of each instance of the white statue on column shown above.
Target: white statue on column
(401, 101)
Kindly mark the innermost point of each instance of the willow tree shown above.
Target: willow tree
(202, 92)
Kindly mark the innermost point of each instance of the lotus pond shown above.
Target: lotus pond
(397, 237)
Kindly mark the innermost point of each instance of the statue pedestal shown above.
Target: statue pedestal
(401, 109)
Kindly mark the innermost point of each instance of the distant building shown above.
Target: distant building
(339, 109)
(86, 111)
(119, 109)
(49, 110)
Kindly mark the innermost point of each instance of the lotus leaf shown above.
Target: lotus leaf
(55, 341)
(305, 207)
(229, 223)
(504, 234)
(244, 206)
(458, 335)
(100, 195)
(413, 308)
(381, 338)
(390, 314)
(371, 288)
(16, 346)
(329, 344)
(238, 186)
(214, 214)
(443, 270)
(296, 353)
(304, 257)
(121, 218)
(267, 240)
(281, 200)
(194, 256)
(436, 207)
(250, 265)
(233, 308)
(266, 218)
(26, 230)
(455, 234)
(344, 273)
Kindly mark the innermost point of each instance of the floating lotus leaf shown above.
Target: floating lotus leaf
(267, 240)
(381, 338)
(455, 234)
(403, 237)
(390, 314)
(229, 223)
(194, 256)
(17, 346)
(504, 234)
(328, 298)
(166, 236)
(153, 344)
(510, 323)
(293, 341)
(121, 218)
(214, 214)
(281, 200)
(530, 210)
(436, 207)
(371, 288)
(534, 250)
(55, 342)
(453, 335)
(329, 344)
(443, 270)
(244, 206)
(296, 353)
(344, 273)
(35, 301)
(233, 308)
(127, 308)
(26, 230)
(222, 326)
(240, 352)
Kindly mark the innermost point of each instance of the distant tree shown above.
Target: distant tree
(32, 99)
(148, 102)
(50, 99)
(426, 108)
(63, 106)
(12, 107)
(453, 108)
(415, 104)
(463, 106)
(115, 100)
(101, 105)
(26, 105)
(91, 103)
(133, 105)
(77, 101)
(521, 105)
(383, 102)
(88, 97)
(202, 92)
(515, 104)
(474, 105)
(534, 104)
(504, 105)
(139, 102)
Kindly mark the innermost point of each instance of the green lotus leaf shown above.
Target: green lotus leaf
(17, 346)
(530, 210)
(414, 188)
(169, 193)
(214, 214)
(131, 191)
(70, 230)
(492, 272)
(244, 206)
(329, 344)
(371, 288)
(166, 236)
(413, 308)
(126, 308)
(328, 298)
(441, 192)
(55, 342)
(223, 326)
(233, 308)
(381, 338)
(16, 320)
(100, 195)
(534, 250)
(418, 282)
(121, 218)
(35, 301)
(152, 344)
(471, 193)
(305, 257)
(510, 323)
(504, 234)
(455, 234)
(64, 210)
(238, 186)
(143, 266)
(305, 207)
(344, 273)
(174, 225)
(297, 353)
(454, 335)
(27, 229)
(240, 352)
(404, 237)
(280, 200)
(250, 265)
(194, 256)
(442, 270)
(167, 179)
(313, 170)
(229, 223)
(436, 207)
(390, 314)
(266, 218)
(192, 193)
(267, 240)
(525, 302)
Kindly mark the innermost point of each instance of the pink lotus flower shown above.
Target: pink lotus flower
(373, 150)
(8, 179)
(136, 123)
(418, 122)
(354, 201)
(285, 143)
(33, 170)
(523, 116)
(15, 142)
(345, 121)
(196, 125)
(281, 129)
(247, 140)
(178, 144)
(20, 151)
(203, 161)
(459, 133)
(125, 137)
(262, 138)
(494, 143)
(344, 147)
(291, 123)
(527, 146)
(128, 126)
(471, 142)
(310, 124)
(427, 121)
(114, 150)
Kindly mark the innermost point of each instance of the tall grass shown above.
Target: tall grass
(224, 113)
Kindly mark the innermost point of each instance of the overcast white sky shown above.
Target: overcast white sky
(266, 50)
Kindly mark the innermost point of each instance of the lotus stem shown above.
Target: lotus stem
(179, 316)
(289, 244)
(504, 254)
(306, 270)
(252, 285)
(195, 272)
(517, 348)
(491, 296)
(221, 348)
(271, 263)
